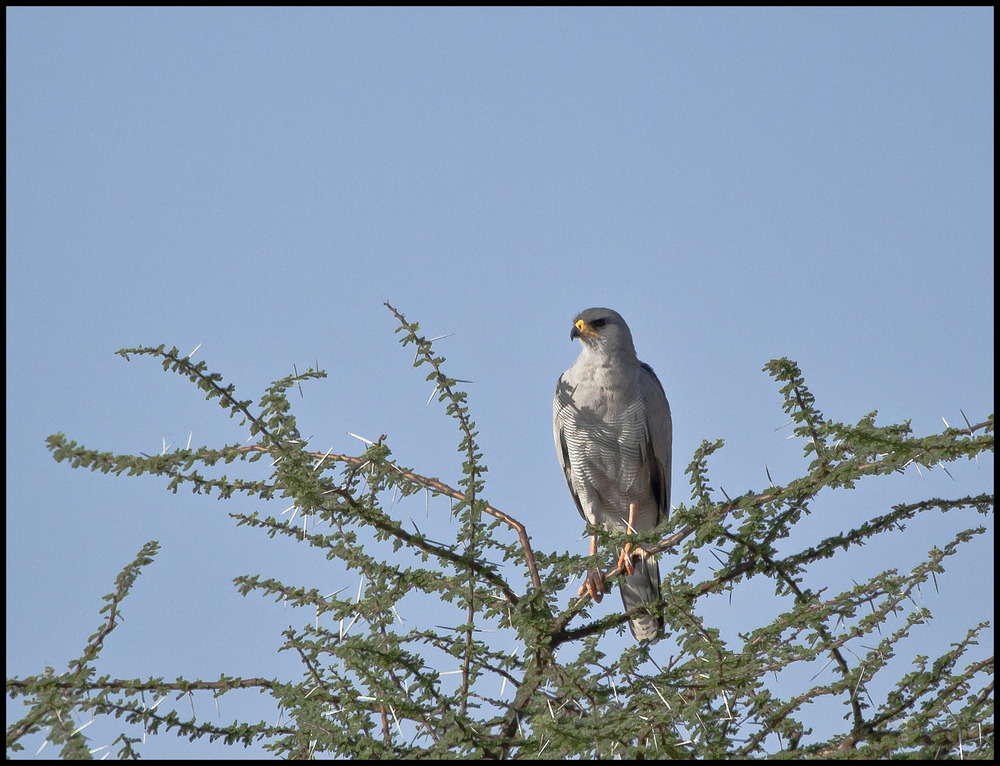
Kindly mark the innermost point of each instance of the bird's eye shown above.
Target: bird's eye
(599, 323)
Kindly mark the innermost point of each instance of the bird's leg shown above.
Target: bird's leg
(594, 582)
(625, 559)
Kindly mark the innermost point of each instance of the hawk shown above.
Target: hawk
(612, 428)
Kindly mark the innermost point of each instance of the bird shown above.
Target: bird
(613, 432)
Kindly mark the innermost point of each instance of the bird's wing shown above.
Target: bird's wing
(659, 434)
(643, 586)
(564, 398)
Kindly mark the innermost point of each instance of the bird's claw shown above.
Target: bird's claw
(594, 585)
(625, 559)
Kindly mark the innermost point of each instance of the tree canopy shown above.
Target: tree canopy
(523, 670)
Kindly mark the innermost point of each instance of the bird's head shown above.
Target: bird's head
(602, 330)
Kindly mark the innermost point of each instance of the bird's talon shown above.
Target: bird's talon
(594, 585)
(625, 559)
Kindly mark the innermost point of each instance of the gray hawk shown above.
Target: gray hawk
(612, 428)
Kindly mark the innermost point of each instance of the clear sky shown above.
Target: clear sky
(739, 184)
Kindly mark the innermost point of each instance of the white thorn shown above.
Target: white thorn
(322, 459)
(81, 727)
(436, 386)
(966, 419)
(660, 696)
(398, 727)
(350, 625)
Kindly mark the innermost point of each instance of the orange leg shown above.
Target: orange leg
(594, 583)
(625, 559)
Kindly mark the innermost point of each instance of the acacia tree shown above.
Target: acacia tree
(372, 689)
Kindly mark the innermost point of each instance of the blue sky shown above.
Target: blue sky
(739, 184)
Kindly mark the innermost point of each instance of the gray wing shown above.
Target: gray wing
(660, 434)
(643, 586)
(564, 398)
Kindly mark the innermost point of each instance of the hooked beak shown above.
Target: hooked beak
(582, 330)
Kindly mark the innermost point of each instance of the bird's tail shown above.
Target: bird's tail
(643, 587)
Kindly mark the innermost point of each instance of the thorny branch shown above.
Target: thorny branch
(537, 670)
(436, 486)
